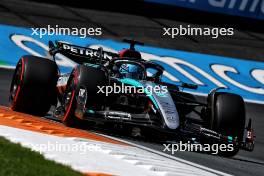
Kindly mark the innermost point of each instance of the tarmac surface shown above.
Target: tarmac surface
(247, 43)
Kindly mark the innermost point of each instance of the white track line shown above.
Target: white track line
(111, 158)
(168, 156)
(8, 67)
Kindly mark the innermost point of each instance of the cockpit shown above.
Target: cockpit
(137, 69)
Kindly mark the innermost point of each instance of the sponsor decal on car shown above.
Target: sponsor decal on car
(86, 52)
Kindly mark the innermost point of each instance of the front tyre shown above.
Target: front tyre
(229, 118)
(88, 78)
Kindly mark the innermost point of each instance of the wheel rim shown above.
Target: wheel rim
(16, 83)
(69, 96)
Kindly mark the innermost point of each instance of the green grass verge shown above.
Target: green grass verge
(2, 63)
(18, 161)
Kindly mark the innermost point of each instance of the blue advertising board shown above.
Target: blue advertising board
(246, 8)
(243, 77)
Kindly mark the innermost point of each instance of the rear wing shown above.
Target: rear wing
(81, 54)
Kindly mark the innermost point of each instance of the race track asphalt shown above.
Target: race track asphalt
(245, 44)
(245, 163)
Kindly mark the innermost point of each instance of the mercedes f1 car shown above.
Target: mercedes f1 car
(84, 94)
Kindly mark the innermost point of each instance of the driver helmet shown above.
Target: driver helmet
(132, 71)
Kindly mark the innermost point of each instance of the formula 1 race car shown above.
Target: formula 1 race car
(122, 89)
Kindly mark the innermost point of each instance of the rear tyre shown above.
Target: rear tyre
(229, 118)
(88, 78)
(33, 87)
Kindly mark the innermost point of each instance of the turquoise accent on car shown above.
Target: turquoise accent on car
(91, 65)
(90, 111)
(230, 138)
(139, 84)
(131, 82)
